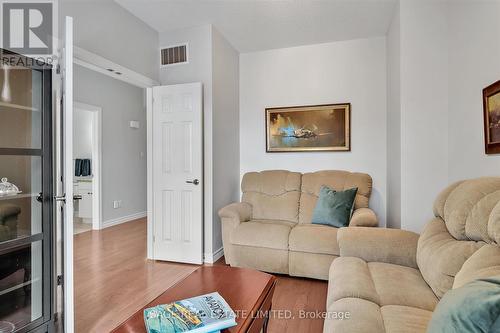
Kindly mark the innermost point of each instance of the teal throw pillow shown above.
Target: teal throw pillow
(334, 208)
(474, 307)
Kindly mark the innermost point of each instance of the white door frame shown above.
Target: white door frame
(96, 162)
(67, 172)
(149, 167)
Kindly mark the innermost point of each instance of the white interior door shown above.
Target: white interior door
(177, 165)
(65, 188)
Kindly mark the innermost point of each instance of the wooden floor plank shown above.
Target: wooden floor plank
(292, 297)
(113, 279)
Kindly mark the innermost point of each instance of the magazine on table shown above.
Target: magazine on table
(208, 313)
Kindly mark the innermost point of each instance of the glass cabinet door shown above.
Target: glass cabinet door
(26, 216)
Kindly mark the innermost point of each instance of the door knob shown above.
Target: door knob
(194, 182)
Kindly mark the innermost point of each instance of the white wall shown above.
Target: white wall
(394, 123)
(474, 55)
(123, 148)
(418, 111)
(107, 29)
(352, 71)
(226, 133)
(82, 133)
(449, 52)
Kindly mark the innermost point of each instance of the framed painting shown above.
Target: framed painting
(491, 106)
(309, 128)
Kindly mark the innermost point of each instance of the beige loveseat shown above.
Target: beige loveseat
(391, 280)
(271, 230)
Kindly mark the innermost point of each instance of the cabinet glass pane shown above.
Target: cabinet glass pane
(21, 214)
(20, 108)
(20, 287)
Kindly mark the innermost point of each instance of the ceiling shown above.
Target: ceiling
(254, 25)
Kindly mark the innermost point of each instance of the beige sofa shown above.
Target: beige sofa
(271, 230)
(391, 280)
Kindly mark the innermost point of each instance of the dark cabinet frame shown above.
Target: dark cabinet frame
(46, 322)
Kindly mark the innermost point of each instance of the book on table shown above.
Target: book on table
(208, 313)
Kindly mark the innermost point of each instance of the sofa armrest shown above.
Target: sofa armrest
(393, 246)
(231, 216)
(240, 211)
(363, 217)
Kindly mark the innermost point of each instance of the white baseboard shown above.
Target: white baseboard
(123, 219)
(210, 258)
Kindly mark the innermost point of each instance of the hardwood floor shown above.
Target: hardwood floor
(113, 279)
(296, 296)
(292, 298)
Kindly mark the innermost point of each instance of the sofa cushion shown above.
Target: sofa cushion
(405, 319)
(314, 238)
(274, 194)
(361, 316)
(401, 285)
(380, 283)
(337, 180)
(271, 234)
(440, 256)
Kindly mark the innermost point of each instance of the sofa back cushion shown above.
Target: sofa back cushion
(484, 263)
(273, 194)
(467, 206)
(440, 256)
(467, 216)
(337, 180)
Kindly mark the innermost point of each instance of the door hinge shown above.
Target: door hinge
(58, 69)
(60, 280)
(61, 198)
(154, 239)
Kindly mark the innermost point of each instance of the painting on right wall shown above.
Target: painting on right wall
(491, 106)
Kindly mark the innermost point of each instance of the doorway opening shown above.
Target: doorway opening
(87, 132)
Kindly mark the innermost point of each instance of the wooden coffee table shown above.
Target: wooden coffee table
(248, 292)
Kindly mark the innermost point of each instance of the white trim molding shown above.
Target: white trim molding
(149, 140)
(107, 67)
(96, 161)
(123, 219)
(210, 258)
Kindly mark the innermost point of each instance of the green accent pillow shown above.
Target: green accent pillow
(474, 307)
(334, 208)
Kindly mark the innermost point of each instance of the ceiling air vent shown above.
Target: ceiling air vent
(174, 55)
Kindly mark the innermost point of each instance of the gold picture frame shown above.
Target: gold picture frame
(310, 128)
(491, 110)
